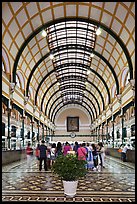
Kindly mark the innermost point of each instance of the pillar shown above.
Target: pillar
(38, 131)
(9, 128)
(42, 131)
(23, 130)
(32, 131)
(122, 124)
(102, 132)
(107, 132)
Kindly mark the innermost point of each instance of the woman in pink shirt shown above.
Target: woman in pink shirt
(66, 148)
(82, 152)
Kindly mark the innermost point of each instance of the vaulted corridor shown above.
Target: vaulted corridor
(68, 74)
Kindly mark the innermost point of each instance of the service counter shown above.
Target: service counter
(10, 156)
(114, 153)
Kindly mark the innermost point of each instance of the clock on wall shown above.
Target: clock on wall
(72, 134)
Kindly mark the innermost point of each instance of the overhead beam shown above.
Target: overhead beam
(90, 83)
(90, 94)
(94, 22)
(80, 64)
(67, 104)
(49, 114)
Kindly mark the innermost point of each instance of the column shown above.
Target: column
(22, 129)
(132, 85)
(119, 98)
(96, 134)
(32, 134)
(42, 131)
(112, 131)
(111, 109)
(122, 124)
(102, 133)
(9, 128)
(26, 98)
(38, 131)
(11, 91)
(39, 126)
(107, 132)
(46, 131)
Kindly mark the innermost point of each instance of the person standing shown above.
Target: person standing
(95, 156)
(37, 153)
(59, 150)
(124, 152)
(43, 155)
(82, 152)
(90, 164)
(29, 152)
(75, 148)
(66, 148)
(102, 154)
(52, 154)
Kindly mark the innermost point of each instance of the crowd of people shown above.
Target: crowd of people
(93, 153)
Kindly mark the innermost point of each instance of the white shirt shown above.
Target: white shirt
(125, 149)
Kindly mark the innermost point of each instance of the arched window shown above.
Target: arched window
(31, 95)
(18, 82)
(3, 67)
(106, 99)
(5, 61)
(113, 91)
(125, 76)
(38, 101)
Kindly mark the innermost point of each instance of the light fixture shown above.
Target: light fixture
(88, 72)
(98, 31)
(86, 83)
(44, 33)
(51, 56)
(91, 55)
(58, 83)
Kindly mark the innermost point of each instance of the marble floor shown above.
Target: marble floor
(114, 183)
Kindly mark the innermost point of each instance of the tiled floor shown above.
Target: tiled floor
(114, 183)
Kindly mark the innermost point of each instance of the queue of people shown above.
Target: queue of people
(93, 153)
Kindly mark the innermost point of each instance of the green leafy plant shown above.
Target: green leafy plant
(69, 168)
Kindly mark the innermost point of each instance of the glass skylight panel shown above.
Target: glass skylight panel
(61, 42)
(60, 25)
(71, 24)
(61, 35)
(71, 33)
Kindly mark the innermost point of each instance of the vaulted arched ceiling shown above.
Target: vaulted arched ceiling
(71, 38)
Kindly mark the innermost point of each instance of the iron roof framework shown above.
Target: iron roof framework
(71, 52)
(72, 33)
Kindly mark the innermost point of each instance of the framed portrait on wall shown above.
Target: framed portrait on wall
(72, 124)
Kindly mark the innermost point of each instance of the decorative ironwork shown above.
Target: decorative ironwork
(65, 40)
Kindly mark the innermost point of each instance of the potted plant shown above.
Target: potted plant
(69, 169)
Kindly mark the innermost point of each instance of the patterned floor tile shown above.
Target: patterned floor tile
(20, 183)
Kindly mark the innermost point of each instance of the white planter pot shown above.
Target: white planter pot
(70, 188)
